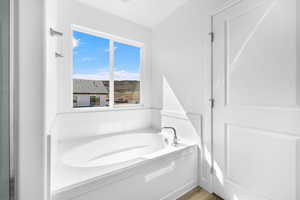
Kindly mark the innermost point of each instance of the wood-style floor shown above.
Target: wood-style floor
(199, 194)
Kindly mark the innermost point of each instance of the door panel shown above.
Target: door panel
(4, 100)
(259, 38)
(257, 113)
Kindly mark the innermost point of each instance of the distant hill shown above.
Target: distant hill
(127, 91)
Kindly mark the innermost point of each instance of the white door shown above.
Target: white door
(256, 86)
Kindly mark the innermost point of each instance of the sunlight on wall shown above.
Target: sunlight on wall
(170, 101)
(218, 172)
(189, 129)
(174, 114)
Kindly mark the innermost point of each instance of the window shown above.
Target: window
(106, 72)
(94, 100)
(75, 100)
(126, 74)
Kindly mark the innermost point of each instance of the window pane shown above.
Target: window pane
(90, 71)
(127, 74)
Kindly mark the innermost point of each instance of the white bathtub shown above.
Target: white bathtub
(123, 166)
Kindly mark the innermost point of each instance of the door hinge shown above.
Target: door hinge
(212, 102)
(212, 36)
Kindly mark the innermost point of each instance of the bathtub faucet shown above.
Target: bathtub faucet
(175, 139)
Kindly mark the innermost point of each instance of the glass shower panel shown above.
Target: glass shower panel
(4, 98)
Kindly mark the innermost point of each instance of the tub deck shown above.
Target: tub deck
(71, 179)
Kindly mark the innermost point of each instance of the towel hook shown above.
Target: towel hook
(58, 55)
(54, 32)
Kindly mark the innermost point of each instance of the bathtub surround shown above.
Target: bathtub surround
(89, 124)
(94, 167)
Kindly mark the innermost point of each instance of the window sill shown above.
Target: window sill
(107, 109)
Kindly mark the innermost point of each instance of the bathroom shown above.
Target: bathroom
(150, 100)
(99, 144)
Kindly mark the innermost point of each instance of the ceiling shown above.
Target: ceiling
(143, 12)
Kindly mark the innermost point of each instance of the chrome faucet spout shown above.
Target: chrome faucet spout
(175, 139)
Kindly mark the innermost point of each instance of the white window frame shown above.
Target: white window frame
(112, 39)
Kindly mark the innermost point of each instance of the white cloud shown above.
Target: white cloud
(98, 76)
(75, 42)
(104, 75)
(88, 59)
(124, 75)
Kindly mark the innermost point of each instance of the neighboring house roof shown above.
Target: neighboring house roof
(81, 86)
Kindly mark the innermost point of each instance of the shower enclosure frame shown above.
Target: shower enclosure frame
(12, 85)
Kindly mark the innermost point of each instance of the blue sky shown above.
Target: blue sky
(91, 58)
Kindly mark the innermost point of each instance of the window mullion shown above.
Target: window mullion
(111, 73)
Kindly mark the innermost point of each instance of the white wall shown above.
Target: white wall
(298, 80)
(29, 106)
(50, 81)
(51, 20)
(298, 50)
(74, 13)
(86, 124)
(181, 56)
(83, 100)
